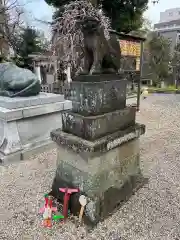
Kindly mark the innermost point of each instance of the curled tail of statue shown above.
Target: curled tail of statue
(17, 82)
(32, 89)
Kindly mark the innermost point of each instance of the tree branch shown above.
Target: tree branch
(11, 23)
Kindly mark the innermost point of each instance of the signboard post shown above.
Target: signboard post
(132, 48)
(139, 83)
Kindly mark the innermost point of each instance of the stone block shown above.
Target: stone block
(10, 141)
(94, 127)
(10, 114)
(36, 129)
(67, 104)
(106, 179)
(95, 183)
(98, 97)
(92, 164)
(23, 102)
(88, 148)
(27, 130)
(43, 109)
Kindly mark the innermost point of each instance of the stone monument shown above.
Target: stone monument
(26, 116)
(98, 145)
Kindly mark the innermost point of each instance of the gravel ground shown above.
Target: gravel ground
(152, 213)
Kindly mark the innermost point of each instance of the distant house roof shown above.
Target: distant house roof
(128, 36)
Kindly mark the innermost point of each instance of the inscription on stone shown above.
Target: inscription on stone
(121, 140)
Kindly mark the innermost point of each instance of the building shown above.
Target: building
(169, 26)
(170, 15)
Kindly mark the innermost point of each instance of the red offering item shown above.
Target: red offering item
(47, 215)
(67, 192)
(47, 223)
(47, 201)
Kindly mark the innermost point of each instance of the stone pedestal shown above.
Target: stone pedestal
(98, 147)
(26, 123)
(98, 95)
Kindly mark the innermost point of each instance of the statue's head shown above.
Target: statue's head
(89, 25)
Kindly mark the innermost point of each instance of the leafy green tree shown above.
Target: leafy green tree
(125, 16)
(176, 64)
(159, 58)
(144, 30)
(30, 41)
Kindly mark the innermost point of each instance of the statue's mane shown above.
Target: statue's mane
(77, 16)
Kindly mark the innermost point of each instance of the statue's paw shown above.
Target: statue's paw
(84, 72)
(95, 71)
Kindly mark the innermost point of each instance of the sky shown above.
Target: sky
(153, 12)
(39, 9)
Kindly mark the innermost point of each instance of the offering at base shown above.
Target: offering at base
(54, 209)
(47, 215)
(67, 193)
(83, 202)
(57, 217)
(17, 82)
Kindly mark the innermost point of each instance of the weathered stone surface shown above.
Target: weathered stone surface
(99, 208)
(98, 97)
(102, 178)
(93, 127)
(98, 146)
(22, 102)
(27, 130)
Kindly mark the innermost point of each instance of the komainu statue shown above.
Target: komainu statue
(83, 37)
(101, 55)
(17, 82)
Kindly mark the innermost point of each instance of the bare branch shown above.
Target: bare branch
(11, 14)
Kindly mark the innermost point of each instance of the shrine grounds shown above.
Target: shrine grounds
(153, 213)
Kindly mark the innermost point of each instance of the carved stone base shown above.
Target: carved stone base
(106, 177)
(25, 124)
